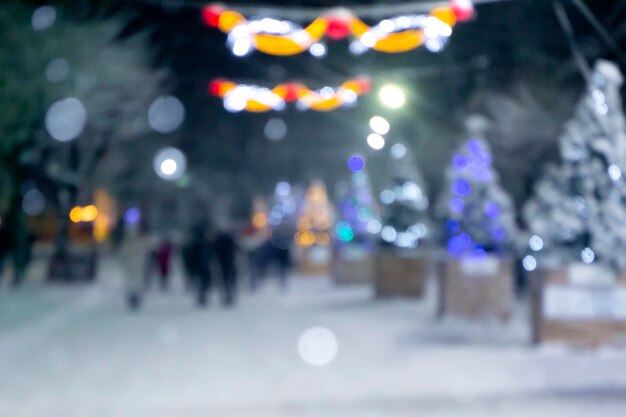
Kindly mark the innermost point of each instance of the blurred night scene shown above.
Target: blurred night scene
(312, 208)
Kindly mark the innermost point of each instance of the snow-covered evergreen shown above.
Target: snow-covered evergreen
(358, 211)
(405, 199)
(578, 210)
(478, 213)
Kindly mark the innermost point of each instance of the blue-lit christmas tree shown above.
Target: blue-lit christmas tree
(359, 220)
(478, 213)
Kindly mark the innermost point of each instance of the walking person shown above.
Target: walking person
(282, 236)
(225, 249)
(197, 256)
(135, 258)
(164, 260)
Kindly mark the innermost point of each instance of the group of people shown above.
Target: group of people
(203, 253)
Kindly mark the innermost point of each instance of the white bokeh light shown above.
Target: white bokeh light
(170, 164)
(392, 96)
(387, 196)
(166, 114)
(389, 234)
(168, 167)
(398, 151)
(57, 70)
(283, 188)
(587, 255)
(380, 125)
(374, 226)
(33, 202)
(66, 119)
(529, 263)
(535, 243)
(318, 50)
(43, 18)
(615, 172)
(318, 346)
(275, 129)
(375, 141)
(234, 103)
(242, 47)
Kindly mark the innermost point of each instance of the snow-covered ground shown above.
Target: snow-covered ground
(76, 351)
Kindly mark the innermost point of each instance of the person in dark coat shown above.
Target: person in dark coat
(164, 258)
(197, 256)
(5, 245)
(282, 236)
(225, 249)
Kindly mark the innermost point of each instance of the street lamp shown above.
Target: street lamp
(170, 164)
(392, 96)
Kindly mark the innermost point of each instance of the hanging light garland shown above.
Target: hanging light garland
(240, 97)
(281, 37)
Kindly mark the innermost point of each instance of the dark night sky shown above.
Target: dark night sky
(510, 42)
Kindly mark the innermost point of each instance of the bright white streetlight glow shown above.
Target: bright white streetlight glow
(379, 125)
(375, 141)
(168, 167)
(392, 96)
(170, 164)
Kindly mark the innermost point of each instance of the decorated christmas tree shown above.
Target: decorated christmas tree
(316, 217)
(578, 210)
(478, 213)
(358, 210)
(405, 201)
(284, 207)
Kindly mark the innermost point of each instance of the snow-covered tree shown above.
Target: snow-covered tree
(478, 213)
(284, 206)
(578, 210)
(405, 200)
(358, 211)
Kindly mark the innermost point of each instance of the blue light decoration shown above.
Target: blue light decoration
(459, 162)
(459, 244)
(461, 187)
(344, 231)
(492, 210)
(132, 216)
(457, 205)
(498, 233)
(453, 227)
(356, 163)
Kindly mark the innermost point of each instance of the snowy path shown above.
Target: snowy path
(87, 356)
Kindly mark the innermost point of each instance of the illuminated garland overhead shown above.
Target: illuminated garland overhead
(240, 97)
(282, 37)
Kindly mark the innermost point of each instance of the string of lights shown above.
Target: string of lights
(256, 99)
(400, 33)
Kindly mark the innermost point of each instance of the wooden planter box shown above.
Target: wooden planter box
(315, 260)
(78, 265)
(353, 270)
(401, 274)
(476, 288)
(580, 305)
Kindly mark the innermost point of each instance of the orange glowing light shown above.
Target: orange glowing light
(305, 238)
(323, 239)
(259, 220)
(76, 215)
(89, 213)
